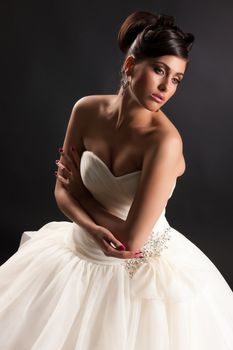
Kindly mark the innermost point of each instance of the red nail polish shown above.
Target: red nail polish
(55, 173)
(56, 161)
(122, 247)
(139, 254)
(60, 149)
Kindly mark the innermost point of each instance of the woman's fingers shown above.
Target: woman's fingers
(121, 254)
(61, 178)
(68, 161)
(111, 246)
(117, 244)
(63, 174)
(64, 171)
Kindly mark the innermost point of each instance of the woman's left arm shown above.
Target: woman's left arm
(160, 168)
(159, 173)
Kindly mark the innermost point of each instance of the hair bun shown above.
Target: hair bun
(132, 26)
(165, 21)
(189, 39)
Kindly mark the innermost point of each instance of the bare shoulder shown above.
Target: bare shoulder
(165, 144)
(164, 135)
(170, 141)
(91, 102)
(169, 130)
(88, 107)
(88, 100)
(83, 109)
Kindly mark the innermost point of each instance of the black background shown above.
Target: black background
(55, 52)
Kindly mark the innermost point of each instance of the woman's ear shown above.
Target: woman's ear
(128, 65)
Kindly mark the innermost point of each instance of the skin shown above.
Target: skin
(130, 129)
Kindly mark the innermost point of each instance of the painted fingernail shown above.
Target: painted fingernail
(139, 255)
(55, 173)
(60, 149)
(122, 247)
(57, 161)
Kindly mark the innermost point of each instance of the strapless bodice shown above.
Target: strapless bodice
(115, 193)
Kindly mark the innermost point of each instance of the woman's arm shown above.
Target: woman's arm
(71, 178)
(103, 237)
(73, 210)
(159, 172)
(78, 194)
(90, 212)
(101, 216)
(68, 204)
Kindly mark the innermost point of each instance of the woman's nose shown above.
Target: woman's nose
(163, 86)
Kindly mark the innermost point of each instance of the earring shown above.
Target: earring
(124, 82)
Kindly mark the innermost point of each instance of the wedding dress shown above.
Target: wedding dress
(59, 291)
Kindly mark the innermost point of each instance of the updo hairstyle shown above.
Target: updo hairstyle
(144, 34)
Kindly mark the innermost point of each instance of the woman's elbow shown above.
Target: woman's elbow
(133, 245)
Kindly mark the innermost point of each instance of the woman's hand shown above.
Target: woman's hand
(69, 173)
(111, 246)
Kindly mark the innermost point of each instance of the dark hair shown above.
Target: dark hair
(145, 34)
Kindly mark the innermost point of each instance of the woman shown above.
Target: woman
(119, 276)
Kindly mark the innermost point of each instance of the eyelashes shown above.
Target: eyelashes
(161, 71)
(177, 81)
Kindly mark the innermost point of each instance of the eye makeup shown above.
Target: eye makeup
(159, 65)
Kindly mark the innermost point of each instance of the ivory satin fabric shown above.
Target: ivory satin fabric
(60, 292)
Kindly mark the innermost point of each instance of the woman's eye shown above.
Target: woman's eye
(176, 81)
(159, 70)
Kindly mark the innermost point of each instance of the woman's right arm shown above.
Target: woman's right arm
(67, 203)
(71, 206)
(72, 209)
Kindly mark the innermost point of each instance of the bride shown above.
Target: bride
(118, 276)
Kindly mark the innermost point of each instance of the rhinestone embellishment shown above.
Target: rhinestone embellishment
(154, 246)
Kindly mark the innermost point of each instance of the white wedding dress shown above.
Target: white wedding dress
(60, 292)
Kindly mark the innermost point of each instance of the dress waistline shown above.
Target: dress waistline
(80, 241)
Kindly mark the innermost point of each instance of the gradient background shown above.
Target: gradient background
(55, 52)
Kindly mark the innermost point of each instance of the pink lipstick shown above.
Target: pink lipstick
(158, 98)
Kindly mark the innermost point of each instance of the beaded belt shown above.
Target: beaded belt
(153, 247)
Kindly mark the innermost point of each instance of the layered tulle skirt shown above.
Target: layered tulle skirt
(60, 292)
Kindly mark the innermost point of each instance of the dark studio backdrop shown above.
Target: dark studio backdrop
(55, 52)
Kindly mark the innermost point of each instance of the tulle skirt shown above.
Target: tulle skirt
(60, 292)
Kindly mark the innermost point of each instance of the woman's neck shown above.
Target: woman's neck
(128, 111)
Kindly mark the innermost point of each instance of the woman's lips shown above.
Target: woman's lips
(158, 98)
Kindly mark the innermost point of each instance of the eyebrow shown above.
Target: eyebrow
(178, 73)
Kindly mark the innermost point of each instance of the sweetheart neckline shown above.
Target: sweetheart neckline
(105, 165)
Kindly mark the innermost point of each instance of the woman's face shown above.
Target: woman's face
(154, 81)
